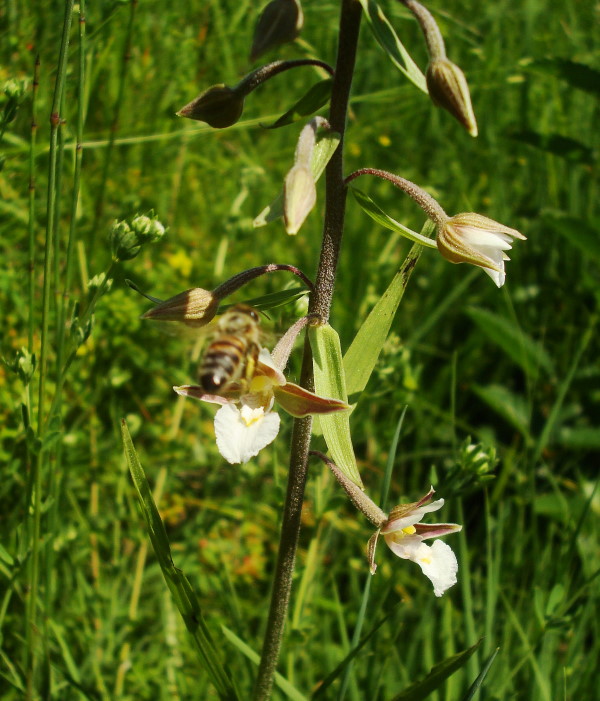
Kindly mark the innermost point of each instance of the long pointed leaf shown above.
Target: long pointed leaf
(389, 42)
(280, 681)
(361, 357)
(184, 595)
(378, 215)
(436, 677)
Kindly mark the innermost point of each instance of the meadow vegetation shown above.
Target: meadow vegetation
(501, 388)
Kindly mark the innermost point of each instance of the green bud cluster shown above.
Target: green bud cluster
(128, 236)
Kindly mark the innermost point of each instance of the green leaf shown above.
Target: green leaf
(527, 353)
(183, 594)
(271, 300)
(393, 47)
(565, 147)
(361, 357)
(332, 676)
(512, 407)
(577, 75)
(437, 676)
(317, 96)
(280, 681)
(382, 218)
(580, 438)
(322, 153)
(330, 382)
(578, 232)
(474, 688)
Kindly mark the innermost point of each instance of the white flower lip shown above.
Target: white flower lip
(243, 433)
(473, 238)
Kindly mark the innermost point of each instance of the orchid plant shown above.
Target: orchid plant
(246, 423)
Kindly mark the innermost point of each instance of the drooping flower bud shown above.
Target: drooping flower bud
(299, 188)
(279, 23)
(219, 106)
(195, 307)
(473, 238)
(448, 89)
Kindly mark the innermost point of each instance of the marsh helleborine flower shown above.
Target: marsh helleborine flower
(404, 535)
(245, 423)
(473, 238)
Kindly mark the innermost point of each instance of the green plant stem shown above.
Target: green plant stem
(56, 484)
(320, 303)
(113, 127)
(32, 190)
(31, 624)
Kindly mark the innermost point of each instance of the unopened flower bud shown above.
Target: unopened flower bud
(99, 282)
(148, 228)
(220, 106)
(299, 197)
(473, 238)
(195, 307)
(448, 89)
(124, 242)
(279, 23)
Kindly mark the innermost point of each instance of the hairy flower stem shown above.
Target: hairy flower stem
(320, 303)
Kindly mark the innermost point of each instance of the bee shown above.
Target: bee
(232, 355)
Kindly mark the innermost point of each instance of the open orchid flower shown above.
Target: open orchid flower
(246, 423)
(404, 533)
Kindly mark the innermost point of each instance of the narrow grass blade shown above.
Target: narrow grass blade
(334, 674)
(330, 381)
(281, 682)
(527, 353)
(317, 96)
(322, 153)
(361, 357)
(577, 75)
(437, 676)
(580, 233)
(565, 147)
(388, 40)
(184, 595)
(510, 406)
(474, 688)
(377, 214)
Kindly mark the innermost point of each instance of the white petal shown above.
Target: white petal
(437, 562)
(498, 277)
(241, 436)
(478, 238)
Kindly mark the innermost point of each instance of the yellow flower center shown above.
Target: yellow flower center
(409, 530)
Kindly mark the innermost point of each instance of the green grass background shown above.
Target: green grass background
(514, 368)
